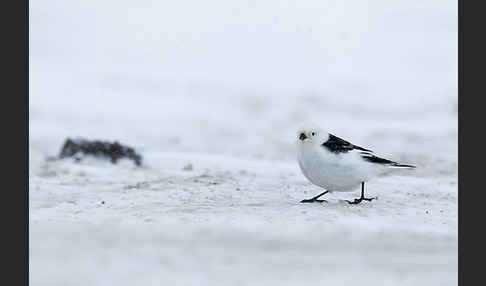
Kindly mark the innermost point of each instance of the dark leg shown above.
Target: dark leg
(357, 201)
(315, 199)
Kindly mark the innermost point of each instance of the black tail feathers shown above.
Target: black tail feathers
(403, 166)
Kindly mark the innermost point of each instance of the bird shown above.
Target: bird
(337, 165)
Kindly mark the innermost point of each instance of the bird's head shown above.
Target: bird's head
(311, 135)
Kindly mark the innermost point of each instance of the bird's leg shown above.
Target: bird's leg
(357, 201)
(315, 199)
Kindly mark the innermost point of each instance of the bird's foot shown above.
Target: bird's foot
(313, 201)
(357, 201)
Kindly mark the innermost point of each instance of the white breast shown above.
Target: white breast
(339, 172)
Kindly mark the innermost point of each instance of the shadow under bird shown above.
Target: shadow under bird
(337, 165)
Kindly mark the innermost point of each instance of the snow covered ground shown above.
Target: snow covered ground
(223, 86)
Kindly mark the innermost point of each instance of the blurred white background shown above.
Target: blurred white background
(241, 66)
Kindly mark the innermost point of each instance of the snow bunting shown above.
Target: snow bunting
(336, 164)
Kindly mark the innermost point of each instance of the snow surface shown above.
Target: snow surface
(223, 86)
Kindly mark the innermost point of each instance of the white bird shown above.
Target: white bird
(336, 164)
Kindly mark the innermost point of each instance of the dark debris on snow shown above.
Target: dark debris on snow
(113, 151)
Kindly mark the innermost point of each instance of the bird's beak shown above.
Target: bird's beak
(302, 136)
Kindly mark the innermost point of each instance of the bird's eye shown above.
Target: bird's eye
(313, 134)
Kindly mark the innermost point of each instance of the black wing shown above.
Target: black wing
(338, 145)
